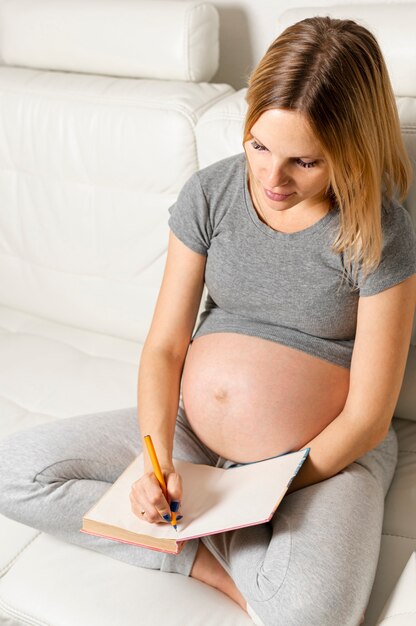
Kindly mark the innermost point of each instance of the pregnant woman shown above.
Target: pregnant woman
(309, 264)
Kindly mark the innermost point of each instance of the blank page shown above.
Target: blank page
(214, 499)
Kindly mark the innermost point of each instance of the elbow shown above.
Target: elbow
(171, 348)
(161, 358)
(369, 432)
(385, 431)
(379, 431)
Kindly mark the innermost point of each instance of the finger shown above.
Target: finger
(157, 506)
(137, 497)
(154, 517)
(146, 512)
(145, 497)
(136, 507)
(174, 487)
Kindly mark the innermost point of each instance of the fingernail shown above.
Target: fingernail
(167, 517)
(174, 506)
(179, 517)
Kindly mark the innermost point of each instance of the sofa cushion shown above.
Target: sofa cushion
(52, 582)
(18, 536)
(52, 371)
(88, 168)
(162, 39)
(220, 129)
(400, 609)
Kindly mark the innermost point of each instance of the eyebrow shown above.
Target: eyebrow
(300, 156)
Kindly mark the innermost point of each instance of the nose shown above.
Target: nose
(277, 175)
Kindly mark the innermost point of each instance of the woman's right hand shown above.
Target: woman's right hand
(146, 495)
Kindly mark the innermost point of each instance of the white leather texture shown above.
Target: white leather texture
(89, 166)
(165, 39)
(401, 606)
(392, 24)
(49, 370)
(105, 592)
(18, 538)
(220, 128)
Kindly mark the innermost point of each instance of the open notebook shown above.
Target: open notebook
(214, 500)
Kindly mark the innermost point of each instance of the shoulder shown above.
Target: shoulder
(222, 173)
(213, 183)
(396, 219)
(211, 180)
(393, 211)
(204, 200)
(398, 231)
(398, 253)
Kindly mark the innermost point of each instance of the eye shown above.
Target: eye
(258, 146)
(305, 164)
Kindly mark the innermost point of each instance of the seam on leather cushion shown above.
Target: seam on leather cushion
(386, 619)
(14, 559)
(11, 612)
(66, 344)
(108, 101)
(18, 615)
(398, 536)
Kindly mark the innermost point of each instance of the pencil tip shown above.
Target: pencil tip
(175, 527)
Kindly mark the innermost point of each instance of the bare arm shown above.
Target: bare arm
(161, 367)
(379, 357)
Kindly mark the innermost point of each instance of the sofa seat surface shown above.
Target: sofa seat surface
(56, 584)
(50, 370)
(401, 606)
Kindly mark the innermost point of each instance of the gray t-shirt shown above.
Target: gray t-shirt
(285, 287)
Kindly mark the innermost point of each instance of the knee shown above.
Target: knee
(311, 583)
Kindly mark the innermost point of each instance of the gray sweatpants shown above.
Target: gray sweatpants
(314, 563)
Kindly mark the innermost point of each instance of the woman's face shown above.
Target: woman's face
(287, 164)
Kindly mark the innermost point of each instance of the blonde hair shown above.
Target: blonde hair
(334, 73)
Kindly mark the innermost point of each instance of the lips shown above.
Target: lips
(277, 197)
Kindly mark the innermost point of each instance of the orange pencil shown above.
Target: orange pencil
(158, 473)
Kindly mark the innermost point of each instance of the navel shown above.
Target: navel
(220, 394)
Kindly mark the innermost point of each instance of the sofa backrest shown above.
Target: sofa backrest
(155, 39)
(89, 164)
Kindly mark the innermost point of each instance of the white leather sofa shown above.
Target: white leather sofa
(105, 110)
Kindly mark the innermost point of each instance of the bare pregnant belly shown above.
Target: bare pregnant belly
(249, 398)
